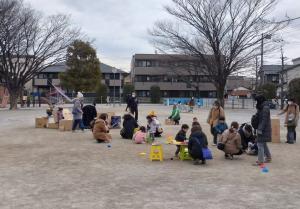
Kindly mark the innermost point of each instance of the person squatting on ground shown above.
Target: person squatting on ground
(153, 126)
(129, 124)
(291, 120)
(101, 130)
(197, 141)
(232, 141)
(77, 112)
(220, 127)
(140, 136)
(89, 114)
(215, 114)
(181, 137)
(264, 130)
(175, 115)
(248, 139)
(132, 104)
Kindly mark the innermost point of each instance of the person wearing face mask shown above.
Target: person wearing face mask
(291, 120)
(264, 130)
(214, 116)
(132, 104)
(232, 141)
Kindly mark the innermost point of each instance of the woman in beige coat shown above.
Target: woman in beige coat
(101, 130)
(213, 119)
(291, 120)
(232, 141)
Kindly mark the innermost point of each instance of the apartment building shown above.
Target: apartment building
(175, 76)
(112, 77)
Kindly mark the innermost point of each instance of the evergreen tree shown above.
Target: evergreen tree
(294, 89)
(155, 94)
(83, 68)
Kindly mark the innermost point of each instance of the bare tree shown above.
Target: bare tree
(224, 35)
(29, 43)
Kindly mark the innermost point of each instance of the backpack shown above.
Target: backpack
(255, 121)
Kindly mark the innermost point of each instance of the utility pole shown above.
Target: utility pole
(282, 78)
(256, 73)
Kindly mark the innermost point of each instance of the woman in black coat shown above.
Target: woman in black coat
(264, 130)
(129, 124)
(197, 141)
(89, 114)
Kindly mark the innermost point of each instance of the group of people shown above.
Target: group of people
(139, 134)
(233, 140)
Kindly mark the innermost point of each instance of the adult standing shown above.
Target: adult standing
(291, 120)
(133, 105)
(77, 112)
(192, 104)
(264, 130)
(213, 119)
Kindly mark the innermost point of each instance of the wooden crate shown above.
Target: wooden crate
(41, 122)
(53, 125)
(275, 129)
(65, 125)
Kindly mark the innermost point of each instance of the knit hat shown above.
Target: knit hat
(79, 95)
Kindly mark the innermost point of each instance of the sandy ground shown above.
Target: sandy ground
(47, 169)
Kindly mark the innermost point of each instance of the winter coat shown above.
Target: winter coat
(129, 124)
(133, 103)
(214, 115)
(76, 111)
(153, 125)
(245, 139)
(292, 111)
(100, 131)
(89, 114)
(264, 130)
(139, 137)
(181, 136)
(175, 115)
(197, 141)
(232, 142)
(221, 127)
(192, 103)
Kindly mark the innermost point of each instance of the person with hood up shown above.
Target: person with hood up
(264, 130)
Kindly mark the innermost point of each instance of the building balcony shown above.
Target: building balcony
(40, 82)
(115, 83)
(173, 86)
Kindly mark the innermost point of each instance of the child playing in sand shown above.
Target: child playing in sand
(152, 126)
(181, 137)
(140, 136)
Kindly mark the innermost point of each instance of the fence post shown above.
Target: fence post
(232, 103)
(243, 103)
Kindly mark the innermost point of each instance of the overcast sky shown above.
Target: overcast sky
(119, 27)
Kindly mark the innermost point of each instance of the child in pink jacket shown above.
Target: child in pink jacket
(140, 136)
